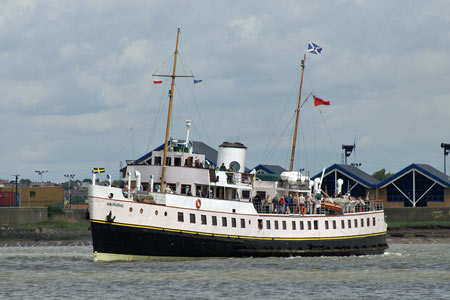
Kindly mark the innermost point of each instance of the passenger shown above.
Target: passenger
(276, 204)
(282, 203)
(269, 205)
(301, 202)
(288, 203)
(266, 205)
(197, 163)
(222, 167)
(297, 204)
(309, 205)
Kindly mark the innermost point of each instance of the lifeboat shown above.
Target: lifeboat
(331, 206)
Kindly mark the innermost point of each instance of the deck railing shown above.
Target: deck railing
(313, 208)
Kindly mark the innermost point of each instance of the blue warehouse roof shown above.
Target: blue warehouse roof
(270, 169)
(353, 172)
(425, 169)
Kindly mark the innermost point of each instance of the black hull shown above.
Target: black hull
(113, 238)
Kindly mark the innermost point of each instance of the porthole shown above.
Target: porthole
(249, 222)
(131, 209)
(165, 214)
(141, 210)
(156, 212)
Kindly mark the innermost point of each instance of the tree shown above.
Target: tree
(381, 175)
(118, 183)
(78, 200)
(25, 182)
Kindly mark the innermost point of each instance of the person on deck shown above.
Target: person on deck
(276, 204)
(296, 204)
(301, 202)
(222, 167)
(282, 203)
(288, 202)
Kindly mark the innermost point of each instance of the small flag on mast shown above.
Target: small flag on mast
(157, 81)
(314, 48)
(197, 81)
(99, 170)
(318, 101)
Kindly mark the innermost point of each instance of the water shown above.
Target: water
(406, 271)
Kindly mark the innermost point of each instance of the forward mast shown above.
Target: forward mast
(169, 115)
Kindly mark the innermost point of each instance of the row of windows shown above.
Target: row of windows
(276, 224)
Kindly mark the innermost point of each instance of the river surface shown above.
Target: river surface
(405, 271)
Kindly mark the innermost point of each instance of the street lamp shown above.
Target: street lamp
(348, 149)
(40, 173)
(16, 195)
(446, 151)
(70, 177)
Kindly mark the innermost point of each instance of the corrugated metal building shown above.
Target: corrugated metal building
(38, 196)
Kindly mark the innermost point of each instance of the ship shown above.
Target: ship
(179, 202)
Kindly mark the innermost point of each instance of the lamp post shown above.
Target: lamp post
(70, 177)
(40, 173)
(446, 151)
(16, 194)
(348, 149)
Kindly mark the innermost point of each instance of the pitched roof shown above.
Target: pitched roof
(270, 169)
(353, 172)
(423, 168)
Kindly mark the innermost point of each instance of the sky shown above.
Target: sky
(77, 89)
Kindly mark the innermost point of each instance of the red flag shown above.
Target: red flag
(318, 101)
(157, 81)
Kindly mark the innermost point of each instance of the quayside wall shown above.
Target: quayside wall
(417, 214)
(12, 216)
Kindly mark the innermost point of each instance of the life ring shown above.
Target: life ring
(198, 203)
(303, 210)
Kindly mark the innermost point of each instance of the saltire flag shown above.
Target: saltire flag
(314, 48)
(157, 81)
(197, 81)
(99, 170)
(318, 101)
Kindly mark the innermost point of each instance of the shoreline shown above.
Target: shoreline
(18, 237)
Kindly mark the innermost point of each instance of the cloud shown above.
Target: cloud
(137, 53)
(246, 28)
(77, 76)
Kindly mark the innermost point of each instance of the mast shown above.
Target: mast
(298, 113)
(169, 113)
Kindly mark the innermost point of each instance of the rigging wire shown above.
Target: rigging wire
(274, 142)
(139, 118)
(202, 123)
(123, 142)
(160, 112)
(162, 104)
(329, 135)
(304, 143)
(188, 112)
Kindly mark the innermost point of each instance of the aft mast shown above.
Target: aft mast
(298, 113)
